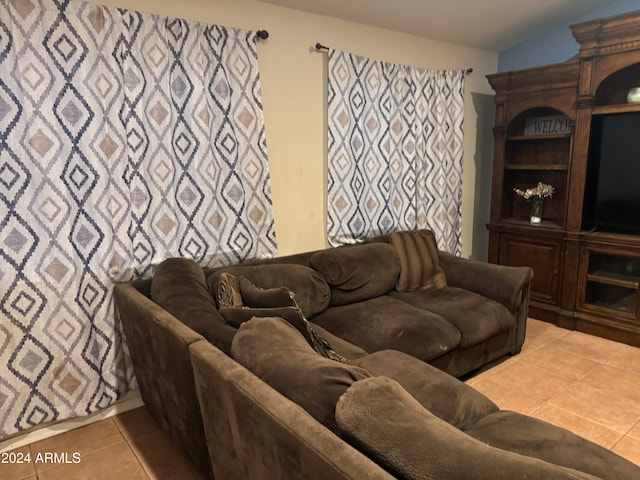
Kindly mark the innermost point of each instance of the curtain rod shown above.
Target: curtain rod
(319, 47)
(262, 34)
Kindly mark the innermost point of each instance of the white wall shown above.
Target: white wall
(293, 88)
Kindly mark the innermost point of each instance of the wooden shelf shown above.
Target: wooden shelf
(537, 138)
(616, 279)
(543, 224)
(537, 166)
(609, 109)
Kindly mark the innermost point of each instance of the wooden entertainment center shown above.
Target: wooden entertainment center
(586, 278)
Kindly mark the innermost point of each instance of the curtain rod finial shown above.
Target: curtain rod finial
(262, 34)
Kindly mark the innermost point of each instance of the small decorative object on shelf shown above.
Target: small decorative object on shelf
(536, 196)
(634, 95)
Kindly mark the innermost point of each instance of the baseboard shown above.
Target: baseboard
(129, 401)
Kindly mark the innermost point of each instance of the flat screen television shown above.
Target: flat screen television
(612, 190)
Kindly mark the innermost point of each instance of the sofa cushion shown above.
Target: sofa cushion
(476, 317)
(357, 272)
(237, 316)
(256, 297)
(179, 286)
(385, 323)
(419, 265)
(386, 423)
(443, 395)
(277, 353)
(312, 293)
(343, 347)
(535, 438)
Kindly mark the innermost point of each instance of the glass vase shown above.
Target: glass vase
(536, 209)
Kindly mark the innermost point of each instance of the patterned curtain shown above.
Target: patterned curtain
(395, 150)
(125, 138)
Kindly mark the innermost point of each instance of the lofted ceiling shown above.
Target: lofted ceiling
(493, 25)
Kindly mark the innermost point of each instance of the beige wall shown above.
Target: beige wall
(293, 88)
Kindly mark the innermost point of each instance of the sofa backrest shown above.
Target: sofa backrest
(358, 272)
(179, 286)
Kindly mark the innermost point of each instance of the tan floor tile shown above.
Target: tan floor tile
(635, 431)
(540, 334)
(135, 422)
(579, 425)
(82, 440)
(159, 457)
(605, 407)
(559, 361)
(19, 466)
(535, 328)
(629, 448)
(626, 358)
(610, 378)
(588, 346)
(507, 398)
(116, 462)
(484, 374)
(527, 377)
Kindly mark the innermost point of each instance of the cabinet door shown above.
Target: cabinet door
(610, 282)
(541, 254)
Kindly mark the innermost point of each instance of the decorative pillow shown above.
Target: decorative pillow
(178, 285)
(357, 272)
(276, 352)
(312, 293)
(388, 425)
(227, 292)
(419, 264)
(256, 297)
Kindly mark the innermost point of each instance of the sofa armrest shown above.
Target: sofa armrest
(504, 284)
(255, 432)
(159, 347)
(508, 285)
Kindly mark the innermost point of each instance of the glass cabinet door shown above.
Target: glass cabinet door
(613, 282)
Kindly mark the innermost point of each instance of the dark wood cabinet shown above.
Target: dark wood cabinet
(584, 278)
(543, 254)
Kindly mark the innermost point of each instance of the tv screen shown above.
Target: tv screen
(612, 190)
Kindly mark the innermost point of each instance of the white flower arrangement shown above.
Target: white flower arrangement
(539, 192)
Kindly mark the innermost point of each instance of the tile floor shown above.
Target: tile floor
(583, 383)
(586, 384)
(129, 446)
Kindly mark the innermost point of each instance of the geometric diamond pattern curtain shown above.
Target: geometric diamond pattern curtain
(395, 150)
(125, 138)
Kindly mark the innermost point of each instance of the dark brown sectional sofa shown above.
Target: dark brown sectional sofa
(245, 392)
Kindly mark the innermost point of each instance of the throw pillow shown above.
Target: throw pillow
(226, 291)
(419, 264)
(276, 352)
